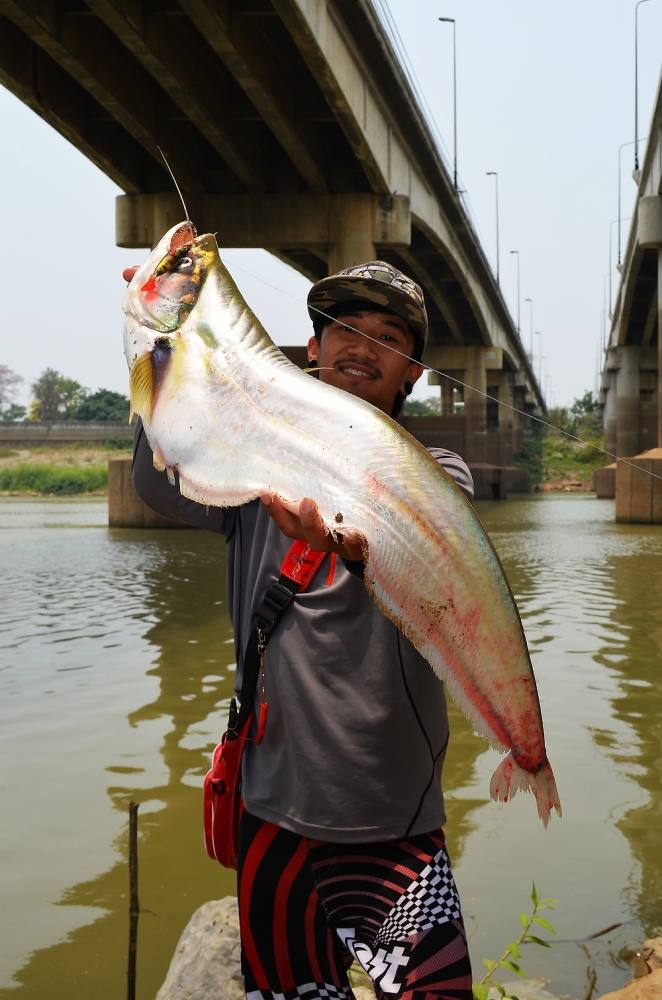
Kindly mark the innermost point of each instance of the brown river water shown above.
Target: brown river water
(116, 669)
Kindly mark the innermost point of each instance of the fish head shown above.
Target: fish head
(158, 301)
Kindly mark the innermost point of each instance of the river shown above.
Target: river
(116, 670)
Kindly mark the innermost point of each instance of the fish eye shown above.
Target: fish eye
(185, 262)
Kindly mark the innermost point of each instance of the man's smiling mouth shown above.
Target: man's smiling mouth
(356, 371)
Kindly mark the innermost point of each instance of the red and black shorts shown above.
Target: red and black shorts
(307, 908)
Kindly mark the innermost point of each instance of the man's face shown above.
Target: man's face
(364, 365)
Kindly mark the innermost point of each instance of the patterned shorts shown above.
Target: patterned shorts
(309, 908)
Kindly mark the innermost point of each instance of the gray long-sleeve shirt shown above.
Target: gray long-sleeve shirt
(357, 724)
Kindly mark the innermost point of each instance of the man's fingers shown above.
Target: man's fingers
(288, 522)
(304, 521)
(129, 272)
(311, 519)
(351, 546)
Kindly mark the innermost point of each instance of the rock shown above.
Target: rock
(651, 952)
(206, 964)
(647, 988)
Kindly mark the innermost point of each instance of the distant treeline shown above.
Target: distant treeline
(56, 398)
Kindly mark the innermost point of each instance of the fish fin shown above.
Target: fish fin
(509, 778)
(141, 385)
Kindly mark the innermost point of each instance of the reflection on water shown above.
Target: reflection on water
(117, 665)
(115, 675)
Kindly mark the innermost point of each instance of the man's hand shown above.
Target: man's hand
(305, 522)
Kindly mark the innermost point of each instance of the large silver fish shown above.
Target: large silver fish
(223, 406)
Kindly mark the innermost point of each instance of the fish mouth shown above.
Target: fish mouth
(356, 370)
(183, 236)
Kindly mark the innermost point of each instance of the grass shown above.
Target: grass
(53, 480)
(59, 470)
(553, 457)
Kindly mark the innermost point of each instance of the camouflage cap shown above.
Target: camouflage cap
(376, 282)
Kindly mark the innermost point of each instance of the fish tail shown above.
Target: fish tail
(509, 778)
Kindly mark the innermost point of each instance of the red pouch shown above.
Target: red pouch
(223, 804)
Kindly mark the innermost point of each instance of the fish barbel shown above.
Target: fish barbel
(224, 408)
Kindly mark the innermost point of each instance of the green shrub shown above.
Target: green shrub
(118, 444)
(58, 480)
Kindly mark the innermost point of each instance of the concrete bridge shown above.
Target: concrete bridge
(291, 126)
(631, 380)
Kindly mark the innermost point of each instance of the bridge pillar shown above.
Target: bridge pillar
(610, 415)
(475, 406)
(639, 482)
(627, 401)
(505, 416)
(659, 348)
(447, 392)
(351, 229)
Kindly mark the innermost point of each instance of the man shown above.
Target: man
(341, 850)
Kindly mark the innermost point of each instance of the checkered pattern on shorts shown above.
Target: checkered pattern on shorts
(309, 991)
(431, 899)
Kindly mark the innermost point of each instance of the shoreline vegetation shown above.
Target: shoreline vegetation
(554, 463)
(58, 471)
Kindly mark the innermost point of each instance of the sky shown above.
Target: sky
(545, 96)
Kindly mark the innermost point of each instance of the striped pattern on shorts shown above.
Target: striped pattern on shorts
(309, 908)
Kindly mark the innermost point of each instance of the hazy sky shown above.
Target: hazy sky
(545, 97)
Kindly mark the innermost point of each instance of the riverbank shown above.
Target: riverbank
(65, 470)
(556, 465)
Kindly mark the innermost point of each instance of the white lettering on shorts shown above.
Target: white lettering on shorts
(384, 967)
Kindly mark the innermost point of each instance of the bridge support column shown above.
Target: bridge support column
(351, 228)
(610, 413)
(627, 401)
(659, 348)
(506, 391)
(447, 392)
(639, 482)
(475, 406)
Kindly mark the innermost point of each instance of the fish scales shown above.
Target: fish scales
(237, 420)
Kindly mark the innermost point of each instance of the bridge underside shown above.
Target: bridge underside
(289, 126)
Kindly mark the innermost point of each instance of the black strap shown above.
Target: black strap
(277, 600)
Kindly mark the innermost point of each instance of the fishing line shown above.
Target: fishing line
(174, 181)
(451, 378)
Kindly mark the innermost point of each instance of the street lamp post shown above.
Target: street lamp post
(530, 301)
(620, 149)
(618, 267)
(636, 81)
(495, 175)
(519, 332)
(451, 20)
(539, 334)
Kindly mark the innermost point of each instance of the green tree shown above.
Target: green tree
(9, 383)
(428, 407)
(559, 416)
(587, 418)
(12, 413)
(585, 404)
(56, 397)
(103, 405)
